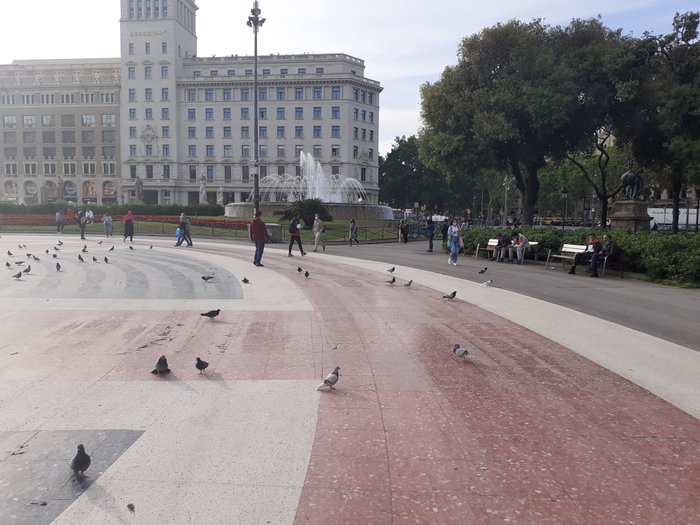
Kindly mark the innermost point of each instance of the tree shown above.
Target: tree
(305, 210)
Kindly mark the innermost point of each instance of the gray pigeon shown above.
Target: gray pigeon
(131, 507)
(19, 263)
(306, 274)
(80, 258)
(55, 256)
(299, 269)
(408, 284)
(450, 296)
(80, 464)
(331, 379)
(392, 280)
(27, 269)
(460, 351)
(111, 249)
(201, 365)
(161, 366)
(9, 253)
(488, 283)
(245, 280)
(131, 247)
(94, 259)
(35, 258)
(17, 275)
(60, 242)
(207, 278)
(211, 314)
(106, 260)
(58, 267)
(392, 269)
(483, 270)
(8, 265)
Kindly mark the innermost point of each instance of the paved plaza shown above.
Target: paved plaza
(556, 416)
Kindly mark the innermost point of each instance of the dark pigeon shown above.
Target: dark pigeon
(483, 270)
(80, 258)
(450, 296)
(58, 267)
(201, 365)
(80, 464)
(392, 269)
(245, 281)
(27, 269)
(299, 269)
(392, 280)
(111, 249)
(211, 314)
(17, 275)
(331, 379)
(106, 260)
(207, 278)
(161, 366)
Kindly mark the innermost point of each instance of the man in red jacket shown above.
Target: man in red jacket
(258, 235)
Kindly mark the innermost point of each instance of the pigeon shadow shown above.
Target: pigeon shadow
(103, 499)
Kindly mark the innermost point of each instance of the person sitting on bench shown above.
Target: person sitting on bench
(592, 247)
(608, 249)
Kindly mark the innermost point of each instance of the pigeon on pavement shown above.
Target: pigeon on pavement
(408, 284)
(245, 281)
(131, 507)
(488, 283)
(450, 296)
(27, 269)
(161, 366)
(8, 265)
(211, 314)
(19, 263)
(106, 260)
(47, 252)
(56, 249)
(84, 250)
(94, 259)
(80, 258)
(99, 242)
(131, 247)
(201, 365)
(207, 278)
(58, 267)
(331, 379)
(392, 269)
(299, 269)
(392, 281)
(483, 270)
(460, 351)
(35, 258)
(9, 253)
(111, 249)
(17, 275)
(55, 256)
(60, 242)
(80, 464)
(306, 274)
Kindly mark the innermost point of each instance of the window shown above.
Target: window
(148, 95)
(262, 113)
(245, 174)
(29, 121)
(166, 171)
(191, 114)
(263, 171)
(318, 93)
(262, 132)
(164, 47)
(356, 114)
(280, 113)
(248, 71)
(209, 113)
(29, 137)
(335, 169)
(281, 151)
(245, 151)
(317, 132)
(299, 113)
(148, 48)
(370, 98)
(108, 168)
(191, 133)
(355, 133)
(227, 132)
(47, 137)
(69, 168)
(317, 151)
(149, 150)
(266, 71)
(301, 71)
(298, 93)
(148, 114)
(166, 150)
(10, 121)
(67, 121)
(363, 96)
(109, 121)
(335, 150)
(49, 168)
(364, 116)
(209, 150)
(263, 153)
(371, 135)
(317, 112)
(192, 150)
(356, 95)
(164, 94)
(363, 174)
(227, 173)
(355, 152)
(335, 93)
(231, 72)
(227, 114)
(30, 168)
(280, 132)
(262, 94)
(209, 95)
(193, 173)
(284, 71)
(132, 113)
(132, 171)
(335, 112)
(281, 93)
(245, 132)
(335, 132)
(228, 94)
(245, 94)
(210, 173)
(371, 154)
(47, 121)
(165, 113)
(364, 134)
(227, 150)
(371, 116)
(191, 95)
(245, 114)
(68, 152)
(132, 132)
(209, 132)
(280, 169)
(298, 132)
(109, 152)
(197, 74)
(131, 48)
(132, 95)
(68, 137)
(165, 132)
(214, 73)
(164, 71)
(11, 168)
(298, 150)
(147, 72)
(131, 73)
(132, 150)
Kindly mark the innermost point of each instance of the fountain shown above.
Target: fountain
(344, 197)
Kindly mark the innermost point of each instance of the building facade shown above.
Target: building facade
(181, 125)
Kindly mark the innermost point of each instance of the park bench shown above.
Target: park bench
(568, 253)
(490, 249)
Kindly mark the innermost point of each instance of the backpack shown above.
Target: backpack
(292, 227)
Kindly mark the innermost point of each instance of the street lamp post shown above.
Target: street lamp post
(255, 22)
(697, 208)
(565, 195)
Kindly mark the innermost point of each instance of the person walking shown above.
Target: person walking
(403, 231)
(258, 235)
(430, 232)
(353, 232)
(59, 221)
(107, 222)
(185, 226)
(318, 228)
(82, 221)
(454, 235)
(128, 221)
(295, 235)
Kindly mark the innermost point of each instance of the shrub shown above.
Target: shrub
(306, 209)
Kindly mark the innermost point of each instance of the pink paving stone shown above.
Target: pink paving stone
(362, 473)
(423, 475)
(343, 507)
(444, 507)
(364, 418)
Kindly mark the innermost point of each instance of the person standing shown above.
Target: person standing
(403, 230)
(318, 229)
(82, 220)
(59, 222)
(258, 235)
(454, 235)
(107, 223)
(353, 232)
(430, 232)
(443, 231)
(128, 221)
(295, 235)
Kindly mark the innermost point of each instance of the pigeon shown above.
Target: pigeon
(150, 247)
(29, 255)
(299, 269)
(201, 365)
(80, 258)
(55, 256)
(99, 242)
(56, 249)
(450, 296)
(19, 263)
(392, 280)
(306, 274)
(17, 275)
(58, 267)
(131, 507)
(207, 278)
(84, 248)
(131, 247)
(9, 253)
(487, 283)
(111, 249)
(19, 246)
(47, 252)
(245, 281)
(460, 351)
(80, 464)
(331, 379)
(408, 284)
(211, 314)
(36, 259)
(27, 269)
(392, 269)
(161, 366)
(8, 265)
(483, 270)
(106, 260)
(60, 242)
(94, 259)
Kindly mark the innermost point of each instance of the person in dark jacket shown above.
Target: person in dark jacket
(258, 234)
(593, 246)
(430, 232)
(295, 235)
(608, 249)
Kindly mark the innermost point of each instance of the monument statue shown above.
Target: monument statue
(220, 196)
(44, 193)
(138, 188)
(632, 186)
(202, 191)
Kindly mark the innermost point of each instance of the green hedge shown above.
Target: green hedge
(205, 210)
(662, 257)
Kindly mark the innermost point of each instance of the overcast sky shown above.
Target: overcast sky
(404, 43)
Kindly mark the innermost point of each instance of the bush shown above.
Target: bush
(306, 209)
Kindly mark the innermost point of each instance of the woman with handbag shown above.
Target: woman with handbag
(454, 234)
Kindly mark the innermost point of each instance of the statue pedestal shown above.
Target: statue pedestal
(630, 215)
